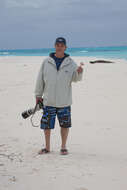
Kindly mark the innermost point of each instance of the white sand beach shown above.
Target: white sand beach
(97, 141)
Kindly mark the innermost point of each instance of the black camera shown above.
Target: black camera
(31, 111)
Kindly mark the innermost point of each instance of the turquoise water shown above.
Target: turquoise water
(106, 52)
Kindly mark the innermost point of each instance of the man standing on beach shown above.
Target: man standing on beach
(55, 76)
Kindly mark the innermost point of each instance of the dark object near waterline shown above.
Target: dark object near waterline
(101, 61)
(31, 111)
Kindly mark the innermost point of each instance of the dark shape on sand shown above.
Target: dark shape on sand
(101, 61)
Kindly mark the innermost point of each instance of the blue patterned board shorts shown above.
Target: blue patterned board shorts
(49, 116)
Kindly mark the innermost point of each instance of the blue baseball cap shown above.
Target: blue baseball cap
(60, 40)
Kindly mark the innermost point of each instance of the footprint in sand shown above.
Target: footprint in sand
(108, 128)
(92, 154)
(20, 124)
(1, 145)
(1, 164)
(82, 188)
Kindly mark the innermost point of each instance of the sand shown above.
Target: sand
(97, 141)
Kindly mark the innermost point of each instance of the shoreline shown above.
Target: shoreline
(87, 58)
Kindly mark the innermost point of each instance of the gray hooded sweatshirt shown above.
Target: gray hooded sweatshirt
(56, 85)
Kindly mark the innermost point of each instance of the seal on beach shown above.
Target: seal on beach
(101, 61)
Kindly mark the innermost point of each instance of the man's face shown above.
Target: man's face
(60, 47)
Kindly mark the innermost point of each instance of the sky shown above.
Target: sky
(84, 23)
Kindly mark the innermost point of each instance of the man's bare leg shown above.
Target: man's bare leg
(64, 135)
(47, 133)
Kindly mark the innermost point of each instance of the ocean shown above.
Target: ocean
(117, 52)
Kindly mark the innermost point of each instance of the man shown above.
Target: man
(54, 81)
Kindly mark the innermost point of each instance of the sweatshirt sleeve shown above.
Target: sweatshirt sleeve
(76, 76)
(39, 86)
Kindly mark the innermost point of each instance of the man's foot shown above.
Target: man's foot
(43, 151)
(63, 151)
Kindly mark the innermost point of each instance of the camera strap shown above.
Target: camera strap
(38, 106)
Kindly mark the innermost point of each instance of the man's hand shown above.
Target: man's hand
(39, 99)
(80, 69)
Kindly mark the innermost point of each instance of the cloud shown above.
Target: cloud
(44, 19)
(24, 4)
(67, 10)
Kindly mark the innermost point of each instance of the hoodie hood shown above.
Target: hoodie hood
(67, 59)
(52, 54)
